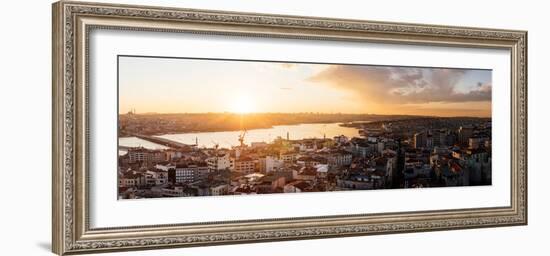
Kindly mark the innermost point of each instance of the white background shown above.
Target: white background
(25, 105)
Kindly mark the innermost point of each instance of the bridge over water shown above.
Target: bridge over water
(161, 141)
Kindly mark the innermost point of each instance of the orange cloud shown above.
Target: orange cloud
(399, 85)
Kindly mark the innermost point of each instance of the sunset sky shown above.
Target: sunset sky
(164, 85)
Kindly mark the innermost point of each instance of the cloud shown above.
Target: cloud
(399, 85)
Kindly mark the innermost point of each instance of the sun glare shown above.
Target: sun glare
(243, 105)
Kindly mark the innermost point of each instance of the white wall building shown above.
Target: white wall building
(220, 162)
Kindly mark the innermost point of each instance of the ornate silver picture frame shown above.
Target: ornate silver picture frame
(72, 24)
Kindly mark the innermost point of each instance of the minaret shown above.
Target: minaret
(287, 136)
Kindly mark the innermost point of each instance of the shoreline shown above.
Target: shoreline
(341, 124)
(265, 131)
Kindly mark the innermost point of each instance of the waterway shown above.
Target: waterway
(230, 138)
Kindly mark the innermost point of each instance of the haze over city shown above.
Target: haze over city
(196, 127)
(170, 85)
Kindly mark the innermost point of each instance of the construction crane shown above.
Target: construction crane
(241, 138)
(216, 146)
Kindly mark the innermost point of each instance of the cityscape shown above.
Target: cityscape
(250, 146)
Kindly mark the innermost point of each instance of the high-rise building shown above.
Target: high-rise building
(439, 137)
(464, 133)
(429, 141)
(419, 140)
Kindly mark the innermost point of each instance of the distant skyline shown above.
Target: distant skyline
(172, 85)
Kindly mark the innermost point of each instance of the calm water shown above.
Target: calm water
(228, 139)
(136, 142)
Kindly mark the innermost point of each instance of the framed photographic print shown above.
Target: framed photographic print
(178, 127)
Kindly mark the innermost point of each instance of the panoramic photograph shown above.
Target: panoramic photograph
(192, 127)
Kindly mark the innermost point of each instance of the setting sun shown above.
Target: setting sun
(243, 105)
